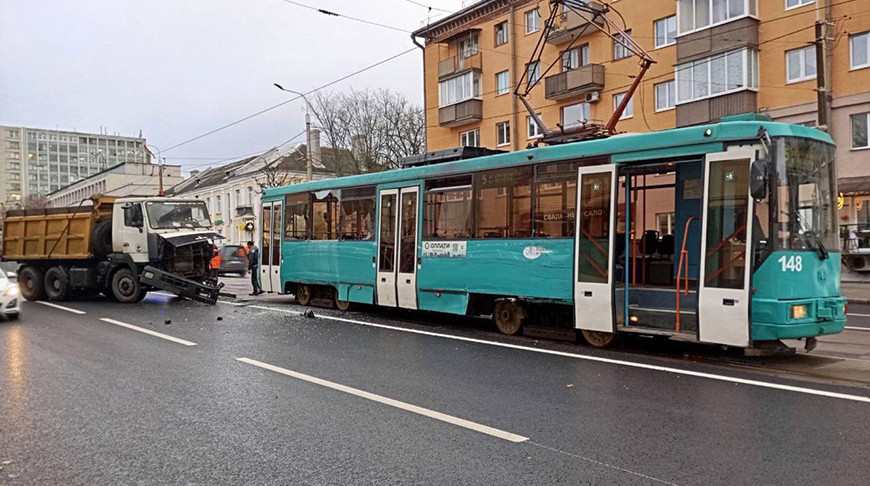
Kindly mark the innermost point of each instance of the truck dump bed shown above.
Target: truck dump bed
(53, 233)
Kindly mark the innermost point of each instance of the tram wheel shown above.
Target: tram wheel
(342, 305)
(508, 316)
(303, 294)
(599, 339)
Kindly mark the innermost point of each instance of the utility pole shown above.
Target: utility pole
(307, 129)
(160, 177)
(822, 82)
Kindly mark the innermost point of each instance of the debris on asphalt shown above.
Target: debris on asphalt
(167, 321)
(569, 385)
(220, 318)
(309, 314)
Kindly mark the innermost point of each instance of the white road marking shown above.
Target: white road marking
(858, 315)
(853, 328)
(148, 331)
(389, 401)
(286, 311)
(68, 309)
(632, 364)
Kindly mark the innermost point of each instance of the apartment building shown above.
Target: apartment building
(128, 179)
(35, 161)
(714, 58)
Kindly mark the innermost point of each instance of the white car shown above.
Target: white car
(10, 301)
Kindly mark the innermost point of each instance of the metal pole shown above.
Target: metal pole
(307, 143)
(160, 172)
(821, 77)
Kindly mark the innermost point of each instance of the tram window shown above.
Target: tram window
(555, 199)
(324, 217)
(503, 203)
(447, 208)
(266, 222)
(387, 250)
(358, 214)
(727, 204)
(408, 236)
(593, 256)
(296, 217)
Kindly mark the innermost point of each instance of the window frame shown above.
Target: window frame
(476, 132)
(588, 111)
(801, 3)
(442, 185)
(803, 65)
(749, 59)
(629, 108)
(472, 87)
(852, 117)
(353, 194)
(507, 89)
(750, 9)
(503, 133)
(655, 33)
(530, 71)
(537, 26)
(672, 93)
(531, 124)
(622, 46)
(502, 27)
(852, 37)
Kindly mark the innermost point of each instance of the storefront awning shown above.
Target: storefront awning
(854, 186)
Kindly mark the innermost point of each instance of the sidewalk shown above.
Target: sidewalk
(856, 292)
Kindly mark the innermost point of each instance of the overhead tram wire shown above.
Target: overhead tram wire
(336, 14)
(428, 6)
(229, 160)
(336, 81)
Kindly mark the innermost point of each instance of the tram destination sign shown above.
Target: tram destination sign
(444, 249)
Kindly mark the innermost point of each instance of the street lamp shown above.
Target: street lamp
(307, 129)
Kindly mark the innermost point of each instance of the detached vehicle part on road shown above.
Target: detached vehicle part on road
(119, 247)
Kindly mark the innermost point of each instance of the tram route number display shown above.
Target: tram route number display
(793, 263)
(444, 249)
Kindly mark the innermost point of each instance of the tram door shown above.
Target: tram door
(723, 295)
(397, 247)
(270, 247)
(593, 248)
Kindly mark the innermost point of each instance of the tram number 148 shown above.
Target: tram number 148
(793, 263)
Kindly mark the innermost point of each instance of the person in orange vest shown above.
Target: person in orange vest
(215, 264)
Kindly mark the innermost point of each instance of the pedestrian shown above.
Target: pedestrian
(253, 262)
(215, 263)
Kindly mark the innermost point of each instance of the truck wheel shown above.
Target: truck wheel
(126, 287)
(508, 316)
(56, 284)
(101, 238)
(30, 283)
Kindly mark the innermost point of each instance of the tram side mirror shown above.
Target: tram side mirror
(758, 179)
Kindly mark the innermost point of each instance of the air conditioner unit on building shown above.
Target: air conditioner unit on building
(592, 96)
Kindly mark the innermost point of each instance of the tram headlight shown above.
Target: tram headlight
(798, 311)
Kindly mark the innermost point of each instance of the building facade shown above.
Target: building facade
(714, 58)
(36, 162)
(232, 192)
(128, 179)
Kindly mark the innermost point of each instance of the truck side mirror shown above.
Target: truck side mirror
(758, 179)
(133, 216)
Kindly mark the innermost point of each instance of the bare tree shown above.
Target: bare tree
(371, 129)
(35, 202)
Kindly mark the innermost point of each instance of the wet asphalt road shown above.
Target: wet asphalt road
(84, 401)
(858, 316)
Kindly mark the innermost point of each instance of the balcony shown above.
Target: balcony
(462, 113)
(246, 211)
(575, 82)
(571, 25)
(457, 64)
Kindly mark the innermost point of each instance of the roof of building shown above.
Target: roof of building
(96, 175)
(472, 14)
(293, 161)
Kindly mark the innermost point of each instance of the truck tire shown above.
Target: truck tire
(56, 283)
(30, 283)
(126, 287)
(101, 238)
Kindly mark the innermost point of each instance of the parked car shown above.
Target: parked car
(10, 301)
(234, 259)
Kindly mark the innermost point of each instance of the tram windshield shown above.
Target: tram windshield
(804, 195)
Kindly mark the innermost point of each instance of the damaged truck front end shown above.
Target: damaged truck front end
(180, 264)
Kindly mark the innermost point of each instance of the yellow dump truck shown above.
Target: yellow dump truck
(121, 248)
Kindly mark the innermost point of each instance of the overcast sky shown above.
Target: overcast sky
(178, 68)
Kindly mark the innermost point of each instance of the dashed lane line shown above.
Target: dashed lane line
(389, 401)
(68, 309)
(853, 328)
(148, 331)
(632, 364)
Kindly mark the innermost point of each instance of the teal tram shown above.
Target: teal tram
(723, 233)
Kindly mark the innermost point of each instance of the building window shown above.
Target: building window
(665, 95)
(575, 57)
(666, 31)
(217, 202)
(250, 195)
(358, 214)
(665, 223)
(238, 197)
(532, 130)
(699, 14)
(447, 208)
(620, 46)
(459, 88)
(861, 130)
(503, 133)
(468, 46)
(789, 4)
(800, 64)
(577, 114)
(721, 74)
(503, 203)
(470, 138)
(502, 83)
(628, 112)
(533, 21)
(859, 47)
(501, 33)
(534, 72)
